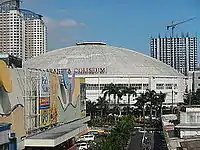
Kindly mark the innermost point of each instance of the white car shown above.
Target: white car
(141, 130)
(82, 146)
(87, 137)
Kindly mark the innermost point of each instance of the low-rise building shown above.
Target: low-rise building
(189, 117)
(182, 130)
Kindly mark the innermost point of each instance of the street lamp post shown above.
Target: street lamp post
(172, 100)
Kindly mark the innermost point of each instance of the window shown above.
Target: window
(159, 86)
(145, 86)
(192, 118)
(198, 119)
(168, 86)
(175, 86)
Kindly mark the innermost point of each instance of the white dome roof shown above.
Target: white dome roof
(117, 61)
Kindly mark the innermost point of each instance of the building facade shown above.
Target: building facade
(41, 107)
(178, 52)
(189, 117)
(101, 64)
(22, 32)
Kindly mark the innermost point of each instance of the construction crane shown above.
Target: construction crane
(173, 25)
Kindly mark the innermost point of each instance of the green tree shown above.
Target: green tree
(108, 90)
(141, 100)
(129, 91)
(160, 99)
(102, 106)
(193, 98)
(91, 108)
(119, 135)
(151, 97)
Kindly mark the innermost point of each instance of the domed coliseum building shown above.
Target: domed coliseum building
(102, 64)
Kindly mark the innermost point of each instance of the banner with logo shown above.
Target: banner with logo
(44, 84)
(44, 100)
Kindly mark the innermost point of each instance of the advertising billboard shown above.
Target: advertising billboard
(44, 100)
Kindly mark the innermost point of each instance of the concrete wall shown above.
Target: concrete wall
(189, 133)
(16, 118)
(178, 86)
(9, 100)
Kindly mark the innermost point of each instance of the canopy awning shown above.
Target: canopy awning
(57, 135)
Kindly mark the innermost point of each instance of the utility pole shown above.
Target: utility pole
(190, 98)
(172, 100)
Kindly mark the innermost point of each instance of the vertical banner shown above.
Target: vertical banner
(44, 104)
(53, 98)
(83, 98)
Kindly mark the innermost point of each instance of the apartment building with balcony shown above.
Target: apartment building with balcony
(23, 33)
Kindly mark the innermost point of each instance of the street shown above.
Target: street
(157, 141)
(136, 142)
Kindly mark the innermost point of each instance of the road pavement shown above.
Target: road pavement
(155, 141)
(136, 142)
(159, 142)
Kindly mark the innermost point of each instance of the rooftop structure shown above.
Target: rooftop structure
(116, 60)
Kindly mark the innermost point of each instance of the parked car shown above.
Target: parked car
(82, 146)
(141, 130)
(87, 137)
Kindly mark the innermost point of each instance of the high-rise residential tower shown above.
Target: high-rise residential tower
(22, 32)
(178, 52)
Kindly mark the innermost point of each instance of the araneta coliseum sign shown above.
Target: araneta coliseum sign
(86, 70)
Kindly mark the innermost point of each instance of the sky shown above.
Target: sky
(124, 23)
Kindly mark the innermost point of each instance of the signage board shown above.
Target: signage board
(86, 70)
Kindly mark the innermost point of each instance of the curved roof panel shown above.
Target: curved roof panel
(116, 60)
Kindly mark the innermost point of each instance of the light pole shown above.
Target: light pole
(172, 100)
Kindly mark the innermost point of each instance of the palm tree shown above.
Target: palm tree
(108, 90)
(102, 105)
(140, 104)
(160, 99)
(91, 108)
(130, 91)
(152, 99)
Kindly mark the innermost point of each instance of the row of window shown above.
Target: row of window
(166, 86)
(137, 86)
(101, 86)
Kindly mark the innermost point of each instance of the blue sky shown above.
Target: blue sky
(124, 23)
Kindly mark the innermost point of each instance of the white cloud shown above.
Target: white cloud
(62, 32)
(70, 23)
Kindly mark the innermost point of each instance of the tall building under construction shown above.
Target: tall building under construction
(178, 52)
